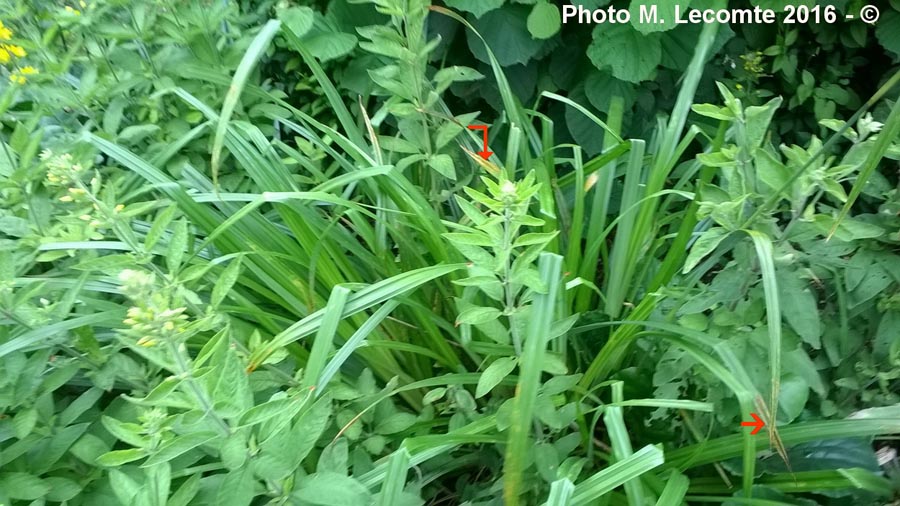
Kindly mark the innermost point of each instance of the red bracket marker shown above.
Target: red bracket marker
(758, 424)
(485, 153)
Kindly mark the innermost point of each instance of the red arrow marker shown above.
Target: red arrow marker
(484, 152)
(758, 424)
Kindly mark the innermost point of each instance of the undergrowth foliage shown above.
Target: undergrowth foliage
(248, 256)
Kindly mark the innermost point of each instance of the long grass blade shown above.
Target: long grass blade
(395, 479)
(676, 488)
(251, 58)
(645, 459)
(530, 367)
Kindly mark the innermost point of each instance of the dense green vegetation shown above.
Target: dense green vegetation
(249, 255)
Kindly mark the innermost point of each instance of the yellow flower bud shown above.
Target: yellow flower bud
(18, 51)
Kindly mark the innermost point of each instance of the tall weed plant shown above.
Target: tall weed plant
(212, 292)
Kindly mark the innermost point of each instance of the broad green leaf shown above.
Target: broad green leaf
(178, 245)
(398, 422)
(126, 432)
(116, 458)
(186, 492)
(23, 422)
(225, 282)
(656, 16)
(297, 19)
(308, 429)
(237, 488)
(23, 486)
(178, 446)
(706, 244)
(62, 489)
(444, 165)
(800, 307)
(262, 412)
(494, 374)
(477, 315)
(327, 45)
(335, 457)
(126, 489)
(630, 55)
(794, 394)
(713, 111)
(544, 20)
(332, 489)
(505, 32)
(471, 239)
(476, 7)
(888, 30)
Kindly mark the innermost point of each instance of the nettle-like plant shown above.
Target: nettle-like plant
(504, 272)
(787, 200)
(411, 97)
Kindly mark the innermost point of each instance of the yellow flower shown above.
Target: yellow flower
(73, 11)
(18, 77)
(147, 341)
(5, 33)
(16, 50)
(4, 56)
